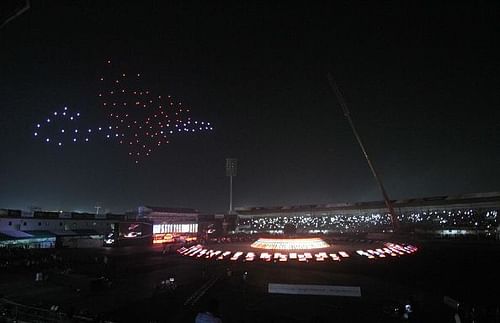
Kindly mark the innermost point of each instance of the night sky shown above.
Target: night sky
(422, 83)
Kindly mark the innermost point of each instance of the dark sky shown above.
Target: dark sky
(422, 83)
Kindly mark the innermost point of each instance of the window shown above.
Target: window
(24, 223)
(60, 224)
(39, 223)
(10, 222)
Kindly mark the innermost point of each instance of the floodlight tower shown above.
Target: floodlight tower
(231, 168)
(343, 105)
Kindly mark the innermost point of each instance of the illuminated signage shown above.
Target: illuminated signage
(290, 244)
(175, 228)
(163, 238)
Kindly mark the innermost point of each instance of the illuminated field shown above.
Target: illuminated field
(339, 252)
(290, 244)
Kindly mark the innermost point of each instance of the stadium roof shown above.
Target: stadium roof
(170, 209)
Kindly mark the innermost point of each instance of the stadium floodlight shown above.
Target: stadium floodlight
(231, 166)
(231, 170)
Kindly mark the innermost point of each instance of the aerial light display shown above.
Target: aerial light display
(133, 116)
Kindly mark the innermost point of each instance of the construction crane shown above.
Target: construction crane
(345, 110)
(13, 13)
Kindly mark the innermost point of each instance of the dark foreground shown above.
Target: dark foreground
(132, 290)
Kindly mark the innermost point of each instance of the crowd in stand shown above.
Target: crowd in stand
(44, 260)
(439, 219)
(29, 259)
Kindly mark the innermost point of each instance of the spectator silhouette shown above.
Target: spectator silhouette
(211, 313)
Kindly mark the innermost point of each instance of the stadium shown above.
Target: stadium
(337, 233)
(441, 215)
(258, 254)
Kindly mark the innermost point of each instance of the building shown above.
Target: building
(43, 229)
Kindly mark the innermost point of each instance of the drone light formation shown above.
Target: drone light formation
(62, 127)
(135, 117)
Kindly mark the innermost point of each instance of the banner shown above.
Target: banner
(328, 290)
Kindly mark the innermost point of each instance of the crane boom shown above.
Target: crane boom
(343, 105)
